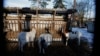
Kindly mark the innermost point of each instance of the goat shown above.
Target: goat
(26, 37)
(73, 35)
(31, 37)
(44, 41)
(22, 40)
(70, 35)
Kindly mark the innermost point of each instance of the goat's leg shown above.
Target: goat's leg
(21, 47)
(32, 44)
(40, 49)
(66, 43)
(67, 40)
(28, 43)
(43, 51)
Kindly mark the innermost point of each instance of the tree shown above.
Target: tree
(59, 4)
(39, 3)
(90, 7)
(83, 7)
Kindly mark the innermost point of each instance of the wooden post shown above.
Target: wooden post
(53, 24)
(4, 21)
(5, 30)
(37, 21)
(54, 14)
(19, 19)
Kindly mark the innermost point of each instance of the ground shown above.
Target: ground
(56, 49)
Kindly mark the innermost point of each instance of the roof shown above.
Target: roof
(40, 11)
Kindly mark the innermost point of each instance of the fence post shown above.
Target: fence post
(54, 14)
(4, 21)
(19, 20)
(37, 22)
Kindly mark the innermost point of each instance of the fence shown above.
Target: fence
(15, 26)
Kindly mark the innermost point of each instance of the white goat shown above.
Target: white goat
(31, 36)
(73, 35)
(26, 37)
(44, 41)
(70, 35)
